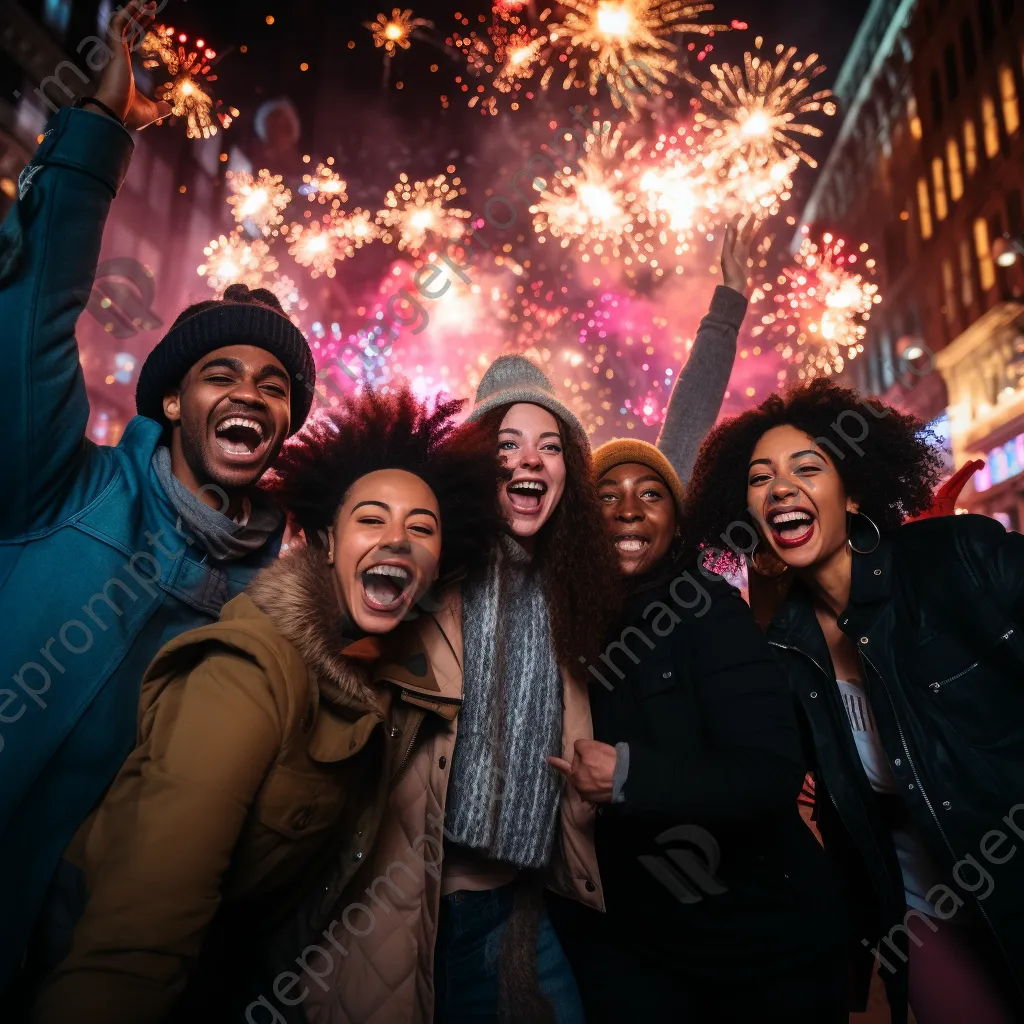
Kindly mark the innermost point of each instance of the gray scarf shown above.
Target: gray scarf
(223, 539)
(503, 795)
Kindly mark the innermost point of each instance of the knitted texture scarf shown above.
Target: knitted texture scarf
(503, 795)
(222, 539)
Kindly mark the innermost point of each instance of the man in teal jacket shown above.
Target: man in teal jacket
(108, 553)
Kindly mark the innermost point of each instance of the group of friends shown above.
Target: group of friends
(491, 737)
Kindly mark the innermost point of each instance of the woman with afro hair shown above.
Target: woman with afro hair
(903, 646)
(268, 741)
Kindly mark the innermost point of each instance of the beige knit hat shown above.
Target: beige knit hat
(623, 450)
(513, 379)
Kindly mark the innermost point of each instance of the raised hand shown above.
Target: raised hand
(117, 83)
(739, 236)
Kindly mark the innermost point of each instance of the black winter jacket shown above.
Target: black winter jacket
(714, 751)
(937, 613)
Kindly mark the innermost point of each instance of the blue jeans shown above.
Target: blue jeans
(467, 954)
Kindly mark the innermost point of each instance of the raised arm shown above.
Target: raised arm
(49, 248)
(697, 396)
(162, 840)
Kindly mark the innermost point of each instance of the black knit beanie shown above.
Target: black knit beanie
(242, 317)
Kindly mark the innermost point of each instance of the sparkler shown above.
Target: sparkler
(235, 259)
(415, 211)
(825, 309)
(190, 69)
(753, 112)
(624, 43)
(259, 199)
(359, 227)
(395, 31)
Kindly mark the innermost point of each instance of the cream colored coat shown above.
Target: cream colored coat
(378, 947)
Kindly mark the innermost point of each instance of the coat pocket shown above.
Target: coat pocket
(298, 804)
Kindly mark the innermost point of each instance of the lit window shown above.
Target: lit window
(939, 184)
(970, 147)
(923, 209)
(966, 274)
(990, 126)
(1008, 96)
(956, 176)
(949, 287)
(986, 268)
(913, 118)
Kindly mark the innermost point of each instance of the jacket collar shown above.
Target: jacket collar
(795, 624)
(297, 593)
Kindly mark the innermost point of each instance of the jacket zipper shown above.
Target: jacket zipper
(924, 794)
(935, 687)
(397, 777)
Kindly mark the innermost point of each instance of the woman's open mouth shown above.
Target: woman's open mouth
(631, 544)
(241, 436)
(384, 586)
(791, 527)
(525, 496)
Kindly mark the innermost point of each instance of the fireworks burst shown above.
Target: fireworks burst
(259, 200)
(503, 60)
(359, 227)
(325, 186)
(823, 313)
(753, 112)
(190, 69)
(318, 247)
(417, 211)
(624, 43)
(234, 259)
(595, 208)
(395, 31)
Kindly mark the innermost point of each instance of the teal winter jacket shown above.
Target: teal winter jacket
(94, 575)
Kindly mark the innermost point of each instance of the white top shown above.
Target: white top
(919, 872)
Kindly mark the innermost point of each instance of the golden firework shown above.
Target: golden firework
(317, 247)
(359, 227)
(259, 200)
(394, 32)
(417, 211)
(624, 43)
(325, 186)
(755, 112)
(234, 259)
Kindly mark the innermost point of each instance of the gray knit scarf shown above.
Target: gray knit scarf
(503, 795)
(221, 538)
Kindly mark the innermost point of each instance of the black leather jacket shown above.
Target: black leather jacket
(936, 613)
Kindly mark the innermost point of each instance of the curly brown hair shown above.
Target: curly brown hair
(896, 467)
(575, 555)
(375, 430)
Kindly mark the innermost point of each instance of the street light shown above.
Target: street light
(1006, 250)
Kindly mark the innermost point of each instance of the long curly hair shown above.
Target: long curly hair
(575, 554)
(887, 461)
(373, 431)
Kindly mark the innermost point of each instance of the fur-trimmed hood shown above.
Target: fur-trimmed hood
(298, 593)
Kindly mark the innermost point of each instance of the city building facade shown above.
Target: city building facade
(928, 169)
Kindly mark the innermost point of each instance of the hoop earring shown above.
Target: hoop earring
(849, 533)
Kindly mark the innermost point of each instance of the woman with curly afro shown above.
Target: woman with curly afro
(268, 741)
(902, 642)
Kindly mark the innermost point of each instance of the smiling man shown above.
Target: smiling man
(108, 553)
